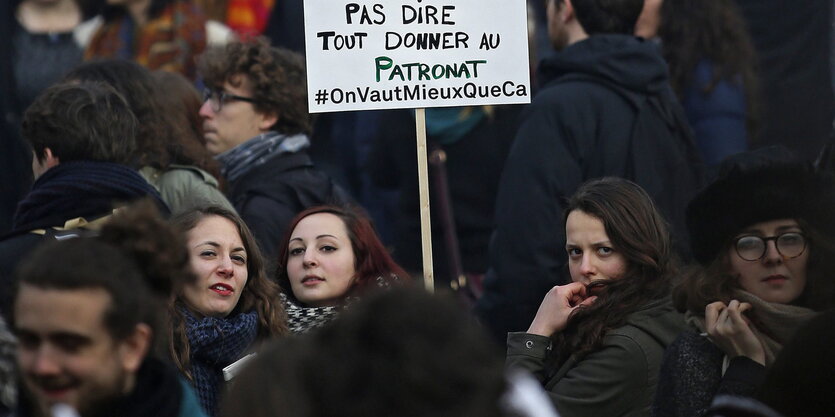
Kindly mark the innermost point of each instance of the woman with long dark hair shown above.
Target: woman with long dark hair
(712, 69)
(761, 233)
(596, 344)
(330, 257)
(231, 307)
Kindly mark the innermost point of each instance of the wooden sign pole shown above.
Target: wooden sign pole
(423, 184)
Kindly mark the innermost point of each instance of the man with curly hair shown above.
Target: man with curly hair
(256, 123)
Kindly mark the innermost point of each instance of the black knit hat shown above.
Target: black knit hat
(752, 187)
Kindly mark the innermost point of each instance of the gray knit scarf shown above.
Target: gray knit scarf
(780, 321)
(257, 151)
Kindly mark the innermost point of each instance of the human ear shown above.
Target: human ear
(267, 121)
(566, 12)
(134, 348)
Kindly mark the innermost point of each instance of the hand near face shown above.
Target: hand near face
(730, 330)
(557, 307)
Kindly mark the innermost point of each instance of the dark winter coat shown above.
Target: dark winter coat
(718, 117)
(63, 194)
(691, 376)
(618, 379)
(607, 111)
(473, 168)
(270, 195)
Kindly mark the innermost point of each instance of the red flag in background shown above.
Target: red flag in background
(248, 17)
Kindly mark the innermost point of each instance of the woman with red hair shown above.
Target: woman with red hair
(331, 257)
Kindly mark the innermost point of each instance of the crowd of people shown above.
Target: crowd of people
(624, 245)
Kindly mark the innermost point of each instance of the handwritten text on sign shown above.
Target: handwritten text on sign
(364, 55)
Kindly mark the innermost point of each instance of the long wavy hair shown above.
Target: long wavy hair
(695, 30)
(371, 258)
(181, 102)
(259, 293)
(638, 232)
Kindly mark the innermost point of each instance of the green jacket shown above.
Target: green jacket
(183, 187)
(618, 379)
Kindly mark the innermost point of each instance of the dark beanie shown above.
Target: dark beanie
(752, 187)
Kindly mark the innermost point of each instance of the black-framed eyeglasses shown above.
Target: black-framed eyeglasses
(753, 248)
(219, 98)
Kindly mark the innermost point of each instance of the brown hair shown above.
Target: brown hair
(138, 258)
(704, 284)
(276, 79)
(371, 258)
(160, 141)
(81, 121)
(259, 293)
(697, 30)
(181, 102)
(638, 232)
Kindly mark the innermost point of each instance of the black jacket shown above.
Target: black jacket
(63, 194)
(15, 155)
(691, 377)
(270, 195)
(606, 109)
(473, 167)
(793, 46)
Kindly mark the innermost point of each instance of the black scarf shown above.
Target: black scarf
(80, 189)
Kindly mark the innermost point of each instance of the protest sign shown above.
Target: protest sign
(364, 55)
(388, 54)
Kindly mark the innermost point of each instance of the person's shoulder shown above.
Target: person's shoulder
(568, 86)
(187, 174)
(691, 347)
(189, 405)
(658, 324)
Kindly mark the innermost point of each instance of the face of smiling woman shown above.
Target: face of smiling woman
(219, 261)
(320, 260)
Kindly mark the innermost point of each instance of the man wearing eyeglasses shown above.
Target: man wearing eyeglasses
(256, 123)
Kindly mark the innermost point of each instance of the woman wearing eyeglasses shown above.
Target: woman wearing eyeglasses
(760, 234)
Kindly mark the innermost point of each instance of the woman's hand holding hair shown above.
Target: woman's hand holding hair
(557, 306)
(731, 331)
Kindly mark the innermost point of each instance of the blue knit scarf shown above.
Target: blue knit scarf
(215, 343)
(257, 151)
(80, 189)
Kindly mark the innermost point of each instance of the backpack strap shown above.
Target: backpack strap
(76, 227)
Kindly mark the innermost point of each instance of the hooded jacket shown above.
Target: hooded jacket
(606, 109)
(618, 379)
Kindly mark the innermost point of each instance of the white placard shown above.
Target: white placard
(385, 54)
